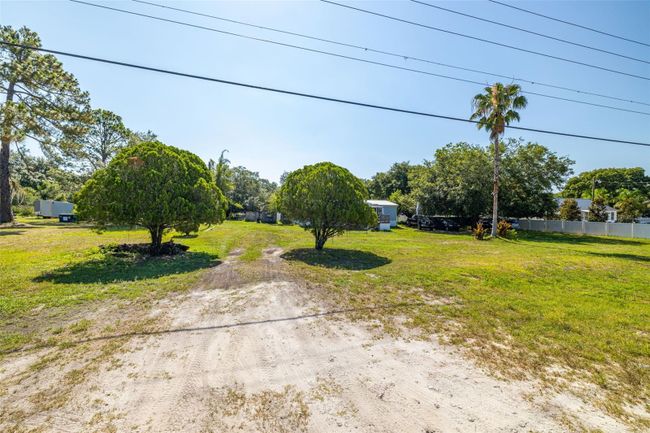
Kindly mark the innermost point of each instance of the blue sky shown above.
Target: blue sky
(272, 133)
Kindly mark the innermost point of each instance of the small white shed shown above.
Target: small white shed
(386, 208)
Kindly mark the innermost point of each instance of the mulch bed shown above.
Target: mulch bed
(166, 249)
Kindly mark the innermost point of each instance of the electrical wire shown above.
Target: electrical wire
(357, 59)
(570, 23)
(487, 41)
(393, 54)
(577, 44)
(310, 95)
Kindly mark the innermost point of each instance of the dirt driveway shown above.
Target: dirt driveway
(260, 355)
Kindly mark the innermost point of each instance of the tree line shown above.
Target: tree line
(132, 178)
(44, 104)
(457, 181)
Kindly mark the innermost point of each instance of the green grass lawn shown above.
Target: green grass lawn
(544, 304)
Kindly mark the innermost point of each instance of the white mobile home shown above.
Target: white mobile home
(385, 208)
(52, 208)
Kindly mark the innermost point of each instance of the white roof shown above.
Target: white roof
(380, 203)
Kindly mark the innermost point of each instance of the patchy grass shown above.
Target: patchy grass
(282, 411)
(557, 307)
(50, 271)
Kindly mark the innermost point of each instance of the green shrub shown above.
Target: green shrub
(597, 210)
(154, 186)
(479, 232)
(327, 200)
(504, 229)
(24, 210)
(187, 228)
(569, 211)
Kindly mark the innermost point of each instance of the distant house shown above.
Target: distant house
(584, 203)
(386, 211)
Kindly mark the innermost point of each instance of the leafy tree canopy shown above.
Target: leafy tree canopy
(326, 199)
(456, 182)
(529, 175)
(140, 137)
(631, 205)
(249, 191)
(152, 185)
(105, 136)
(607, 183)
(39, 177)
(384, 184)
(405, 202)
(43, 102)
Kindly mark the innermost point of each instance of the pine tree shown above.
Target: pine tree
(43, 102)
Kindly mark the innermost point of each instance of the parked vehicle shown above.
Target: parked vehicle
(413, 220)
(269, 217)
(487, 223)
(514, 223)
(450, 225)
(425, 222)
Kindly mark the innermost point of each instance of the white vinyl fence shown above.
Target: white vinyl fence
(623, 230)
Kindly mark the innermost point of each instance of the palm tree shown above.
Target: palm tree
(222, 173)
(494, 110)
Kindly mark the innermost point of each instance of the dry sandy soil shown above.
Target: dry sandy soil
(261, 355)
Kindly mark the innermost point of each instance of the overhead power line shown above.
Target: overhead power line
(554, 38)
(487, 41)
(342, 56)
(392, 54)
(310, 95)
(591, 29)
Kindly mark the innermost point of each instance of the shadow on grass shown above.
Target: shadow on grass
(190, 236)
(567, 238)
(551, 241)
(354, 260)
(10, 232)
(54, 223)
(633, 257)
(116, 269)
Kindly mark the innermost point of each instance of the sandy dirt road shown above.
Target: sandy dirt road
(263, 356)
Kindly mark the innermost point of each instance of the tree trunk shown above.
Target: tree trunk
(320, 239)
(495, 188)
(6, 214)
(156, 239)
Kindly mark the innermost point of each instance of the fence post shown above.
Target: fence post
(563, 226)
(545, 225)
(582, 228)
(632, 229)
(606, 228)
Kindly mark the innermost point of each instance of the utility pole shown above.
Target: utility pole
(593, 187)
